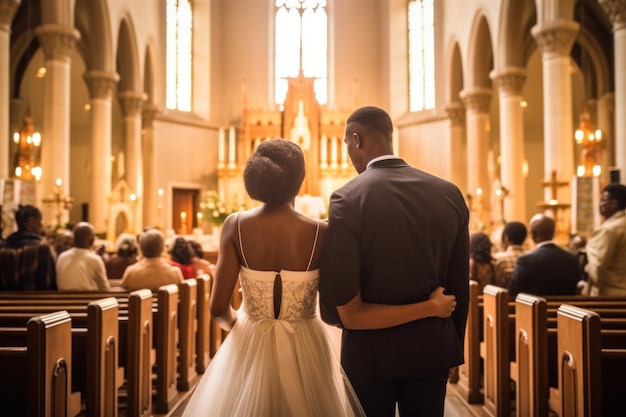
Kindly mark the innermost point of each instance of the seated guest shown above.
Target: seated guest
(152, 270)
(181, 257)
(548, 269)
(63, 241)
(29, 228)
(126, 255)
(200, 265)
(28, 263)
(481, 266)
(513, 237)
(80, 268)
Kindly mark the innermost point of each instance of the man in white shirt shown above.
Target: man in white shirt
(80, 268)
(606, 249)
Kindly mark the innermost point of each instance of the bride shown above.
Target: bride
(278, 359)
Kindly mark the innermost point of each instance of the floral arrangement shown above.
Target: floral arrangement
(215, 210)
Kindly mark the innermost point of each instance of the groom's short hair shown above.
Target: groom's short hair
(274, 172)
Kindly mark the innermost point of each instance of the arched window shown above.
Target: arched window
(178, 59)
(301, 45)
(421, 55)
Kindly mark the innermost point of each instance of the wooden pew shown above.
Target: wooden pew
(187, 328)
(496, 350)
(518, 332)
(469, 383)
(139, 354)
(166, 344)
(135, 335)
(503, 337)
(166, 323)
(592, 365)
(36, 377)
(203, 334)
(94, 341)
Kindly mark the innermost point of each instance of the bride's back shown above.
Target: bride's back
(275, 239)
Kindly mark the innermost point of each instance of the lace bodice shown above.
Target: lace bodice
(299, 293)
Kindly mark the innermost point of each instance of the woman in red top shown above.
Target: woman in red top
(181, 256)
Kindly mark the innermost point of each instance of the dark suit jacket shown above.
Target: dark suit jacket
(395, 234)
(547, 270)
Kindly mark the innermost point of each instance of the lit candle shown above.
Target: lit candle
(160, 198)
(231, 145)
(333, 152)
(324, 151)
(344, 155)
(221, 146)
(183, 216)
(199, 217)
(58, 182)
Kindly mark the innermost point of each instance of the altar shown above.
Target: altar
(317, 129)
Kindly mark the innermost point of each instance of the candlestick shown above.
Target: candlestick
(221, 147)
(183, 222)
(324, 151)
(200, 218)
(333, 152)
(231, 146)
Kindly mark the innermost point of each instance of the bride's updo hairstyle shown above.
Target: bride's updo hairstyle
(274, 172)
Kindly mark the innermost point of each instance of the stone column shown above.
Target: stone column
(555, 40)
(15, 124)
(477, 102)
(605, 122)
(510, 82)
(7, 11)
(458, 151)
(100, 84)
(57, 42)
(132, 105)
(150, 188)
(616, 9)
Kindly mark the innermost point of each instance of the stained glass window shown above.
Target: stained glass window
(421, 55)
(178, 55)
(301, 43)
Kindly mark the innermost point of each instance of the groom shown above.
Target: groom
(395, 234)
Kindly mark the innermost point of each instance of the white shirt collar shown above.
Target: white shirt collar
(380, 158)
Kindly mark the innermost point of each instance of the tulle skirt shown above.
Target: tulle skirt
(274, 368)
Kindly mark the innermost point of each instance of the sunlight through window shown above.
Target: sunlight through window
(178, 55)
(301, 44)
(421, 55)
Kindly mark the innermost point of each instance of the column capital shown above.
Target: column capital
(510, 80)
(148, 114)
(7, 12)
(57, 41)
(556, 37)
(477, 99)
(101, 83)
(456, 113)
(616, 9)
(132, 102)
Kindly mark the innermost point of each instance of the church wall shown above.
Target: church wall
(426, 146)
(240, 48)
(359, 53)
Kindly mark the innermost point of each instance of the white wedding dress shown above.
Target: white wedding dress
(270, 367)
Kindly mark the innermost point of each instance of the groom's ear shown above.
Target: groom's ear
(358, 140)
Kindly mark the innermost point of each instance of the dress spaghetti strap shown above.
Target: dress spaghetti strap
(317, 231)
(243, 255)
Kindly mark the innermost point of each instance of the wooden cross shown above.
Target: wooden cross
(554, 185)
